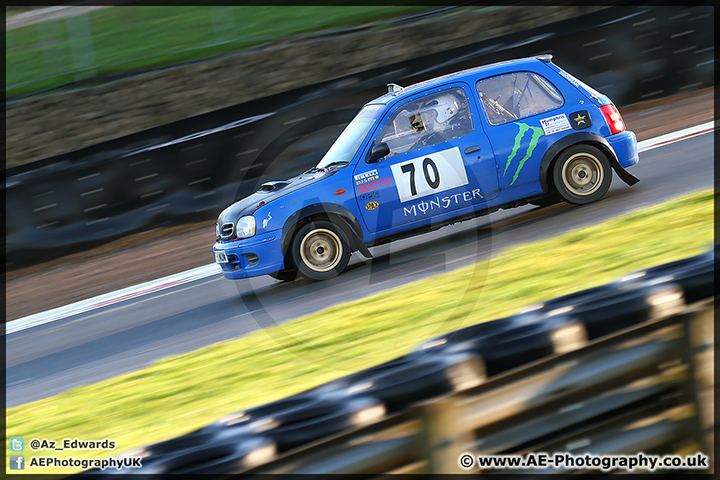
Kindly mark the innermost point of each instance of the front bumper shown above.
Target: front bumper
(259, 255)
(625, 146)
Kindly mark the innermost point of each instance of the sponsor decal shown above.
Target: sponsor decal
(373, 184)
(369, 195)
(368, 176)
(556, 124)
(536, 134)
(580, 120)
(267, 220)
(441, 203)
(372, 205)
(430, 174)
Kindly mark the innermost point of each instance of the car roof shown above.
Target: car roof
(490, 69)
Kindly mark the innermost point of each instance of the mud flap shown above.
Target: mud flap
(356, 241)
(363, 249)
(624, 175)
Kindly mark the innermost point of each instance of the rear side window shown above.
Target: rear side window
(516, 95)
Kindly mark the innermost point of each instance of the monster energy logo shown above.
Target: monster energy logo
(536, 134)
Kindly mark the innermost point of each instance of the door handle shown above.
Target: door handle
(472, 149)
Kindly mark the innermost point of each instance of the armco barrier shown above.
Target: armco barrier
(643, 385)
(192, 169)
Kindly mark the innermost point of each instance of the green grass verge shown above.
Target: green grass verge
(182, 393)
(139, 37)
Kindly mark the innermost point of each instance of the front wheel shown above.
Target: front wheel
(582, 174)
(320, 250)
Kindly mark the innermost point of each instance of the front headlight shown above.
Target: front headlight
(245, 227)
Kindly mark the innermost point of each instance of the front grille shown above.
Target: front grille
(226, 231)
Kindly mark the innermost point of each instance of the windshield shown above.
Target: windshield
(349, 141)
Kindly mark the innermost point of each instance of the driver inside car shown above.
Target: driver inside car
(436, 120)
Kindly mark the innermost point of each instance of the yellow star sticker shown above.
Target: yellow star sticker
(580, 119)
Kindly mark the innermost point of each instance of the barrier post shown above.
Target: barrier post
(700, 355)
(443, 438)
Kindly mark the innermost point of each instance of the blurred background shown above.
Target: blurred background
(177, 62)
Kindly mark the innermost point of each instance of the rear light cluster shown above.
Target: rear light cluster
(613, 118)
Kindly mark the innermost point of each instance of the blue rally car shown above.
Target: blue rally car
(424, 156)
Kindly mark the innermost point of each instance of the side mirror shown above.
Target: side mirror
(377, 152)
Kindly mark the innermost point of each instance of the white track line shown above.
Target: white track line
(680, 135)
(213, 269)
(111, 298)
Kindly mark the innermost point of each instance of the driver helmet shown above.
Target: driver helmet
(444, 106)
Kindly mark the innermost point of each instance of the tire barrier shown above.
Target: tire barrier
(609, 368)
(695, 275)
(303, 420)
(191, 169)
(503, 346)
(211, 459)
(521, 345)
(405, 383)
(288, 423)
(466, 334)
(542, 308)
(605, 312)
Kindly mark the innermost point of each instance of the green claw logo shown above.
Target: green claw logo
(536, 134)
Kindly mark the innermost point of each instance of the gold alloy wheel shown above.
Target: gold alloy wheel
(321, 250)
(583, 174)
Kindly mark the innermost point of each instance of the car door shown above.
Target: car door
(525, 114)
(440, 162)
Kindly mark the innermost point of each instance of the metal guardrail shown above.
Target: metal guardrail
(645, 385)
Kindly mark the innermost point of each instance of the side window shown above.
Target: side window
(426, 121)
(516, 95)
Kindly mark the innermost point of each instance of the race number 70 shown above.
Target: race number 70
(429, 174)
(428, 164)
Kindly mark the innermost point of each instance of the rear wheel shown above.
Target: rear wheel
(320, 250)
(582, 174)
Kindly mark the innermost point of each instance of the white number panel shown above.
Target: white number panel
(429, 174)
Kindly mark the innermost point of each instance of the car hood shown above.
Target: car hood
(271, 191)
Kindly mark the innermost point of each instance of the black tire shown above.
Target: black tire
(327, 417)
(340, 385)
(301, 419)
(473, 332)
(214, 458)
(320, 250)
(420, 381)
(405, 383)
(285, 275)
(611, 290)
(514, 347)
(694, 274)
(582, 174)
(608, 314)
